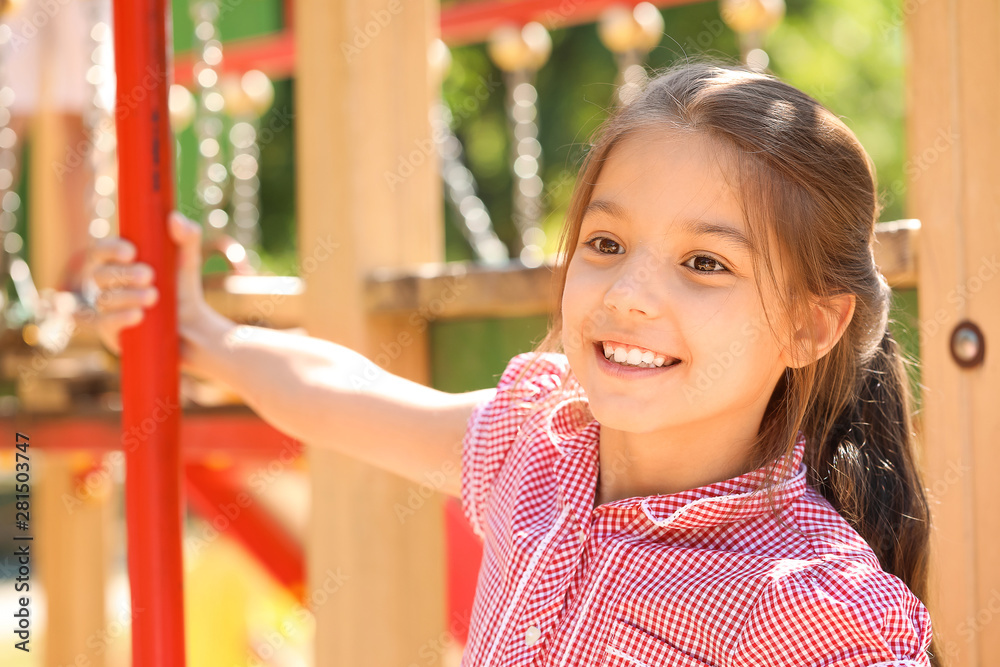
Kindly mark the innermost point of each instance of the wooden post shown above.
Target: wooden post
(50, 250)
(368, 184)
(75, 523)
(953, 103)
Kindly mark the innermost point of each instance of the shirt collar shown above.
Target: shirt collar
(571, 426)
(731, 500)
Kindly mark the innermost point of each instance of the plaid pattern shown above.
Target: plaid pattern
(702, 577)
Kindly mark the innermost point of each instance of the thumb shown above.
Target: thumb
(187, 235)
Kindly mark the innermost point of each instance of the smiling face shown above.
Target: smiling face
(661, 276)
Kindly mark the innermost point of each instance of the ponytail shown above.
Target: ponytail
(866, 468)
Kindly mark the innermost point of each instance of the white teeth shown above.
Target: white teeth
(633, 356)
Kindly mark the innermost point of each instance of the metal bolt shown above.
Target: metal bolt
(968, 346)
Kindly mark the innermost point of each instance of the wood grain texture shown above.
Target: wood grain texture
(368, 182)
(953, 101)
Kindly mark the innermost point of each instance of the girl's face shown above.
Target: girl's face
(661, 271)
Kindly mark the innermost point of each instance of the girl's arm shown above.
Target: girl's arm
(319, 392)
(328, 395)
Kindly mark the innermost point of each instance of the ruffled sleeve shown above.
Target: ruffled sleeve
(495, 424)
(836, 615)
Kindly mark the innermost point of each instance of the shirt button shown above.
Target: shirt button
(583, 535)
(531, 635)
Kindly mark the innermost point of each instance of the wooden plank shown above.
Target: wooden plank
(460, 289)
(461, 23)
(50, 237)
(74, 561)
(896, 251)
(455, 290)
(953, 101)
(362, 113)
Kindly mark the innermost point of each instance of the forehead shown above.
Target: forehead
(680, 181)
(667, 176)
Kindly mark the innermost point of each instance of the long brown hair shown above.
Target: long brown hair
(804, 179)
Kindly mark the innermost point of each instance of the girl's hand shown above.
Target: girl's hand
(125, 287)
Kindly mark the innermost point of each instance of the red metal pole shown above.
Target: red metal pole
(149, 361)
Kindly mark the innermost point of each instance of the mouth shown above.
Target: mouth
(631, 357)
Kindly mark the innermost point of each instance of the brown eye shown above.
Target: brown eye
(706, 264)
(604, 245)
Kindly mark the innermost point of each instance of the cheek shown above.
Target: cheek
(582, 315)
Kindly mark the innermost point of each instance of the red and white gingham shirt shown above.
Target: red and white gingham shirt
(700, 577)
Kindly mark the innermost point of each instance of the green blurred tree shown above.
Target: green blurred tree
(846, 53)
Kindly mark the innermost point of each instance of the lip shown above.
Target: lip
(625, 372)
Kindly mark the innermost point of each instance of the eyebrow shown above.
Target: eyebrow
(690, 225)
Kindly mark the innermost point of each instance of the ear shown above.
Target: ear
(827, 321)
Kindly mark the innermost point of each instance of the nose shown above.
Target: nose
(638, 287)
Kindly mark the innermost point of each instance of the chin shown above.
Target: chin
(621, 420)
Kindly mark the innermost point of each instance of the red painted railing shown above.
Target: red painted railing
(149, 359)
(464, 22)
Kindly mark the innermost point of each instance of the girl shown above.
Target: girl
(709, 459)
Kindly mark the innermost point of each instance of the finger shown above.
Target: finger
(122, 300)
(183, 230)
(187, 234)
(113, 249)
(122, 319)
(113, 277)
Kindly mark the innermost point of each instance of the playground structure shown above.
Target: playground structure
(395, 601)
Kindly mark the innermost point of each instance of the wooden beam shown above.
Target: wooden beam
(461, 23)
(470, 22)
(453, 290)
(953, 102)
(896, 245)
(362, 112)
